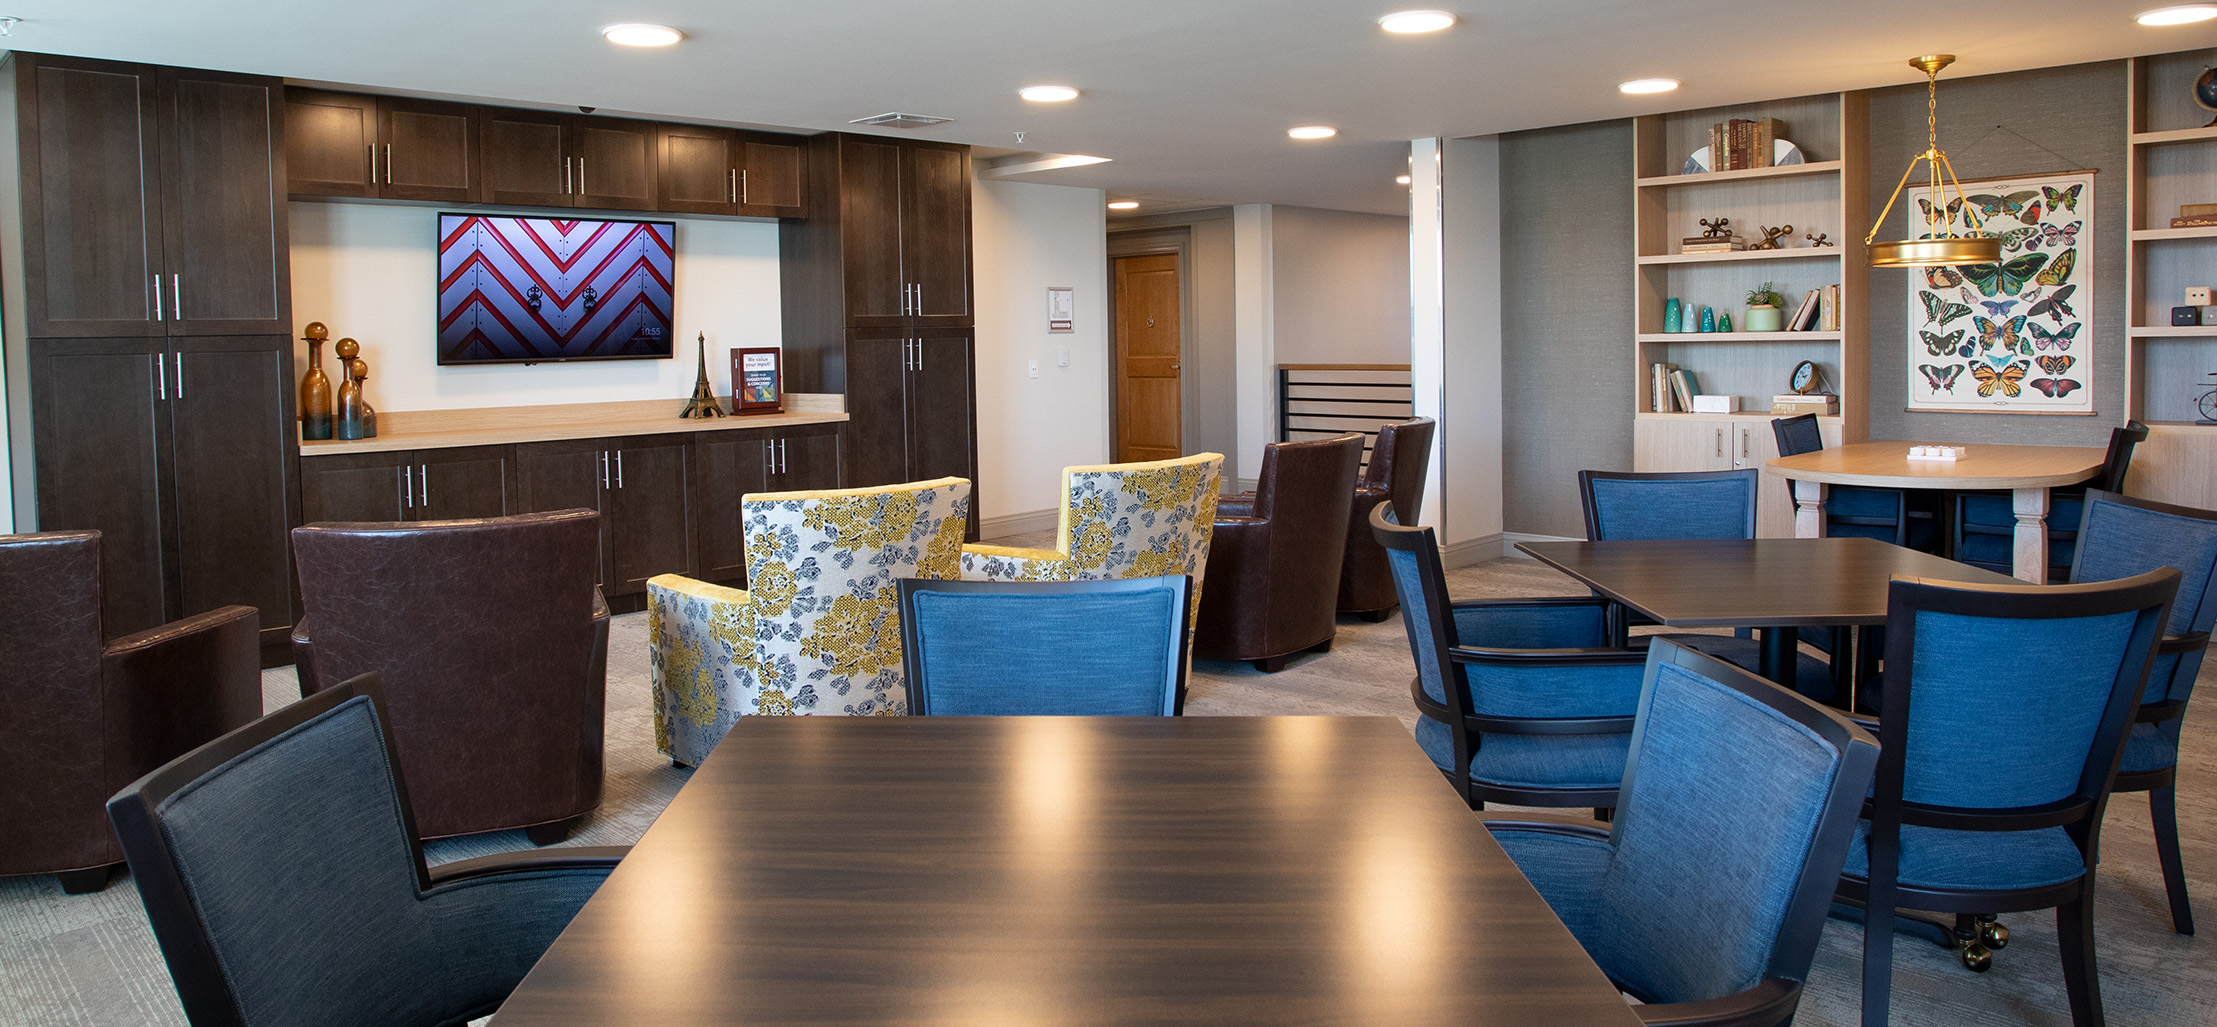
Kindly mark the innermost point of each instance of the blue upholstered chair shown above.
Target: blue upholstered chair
(1706, 896)
(1986, 522)
(281, 870)
(2119, 537)
(2040, 683)
(1523, 700)
(1904, 517)
(1113, 647)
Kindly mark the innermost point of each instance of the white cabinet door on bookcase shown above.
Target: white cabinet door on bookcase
(1682, 444)
(2172, 162)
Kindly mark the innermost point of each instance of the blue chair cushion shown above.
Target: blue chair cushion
(1533, 761)
(1566, 870)
(2146, 749)
(1934, 857)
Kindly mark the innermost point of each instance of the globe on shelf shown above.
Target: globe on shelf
(2205, 92)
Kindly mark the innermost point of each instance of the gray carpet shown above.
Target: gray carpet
(90, 960)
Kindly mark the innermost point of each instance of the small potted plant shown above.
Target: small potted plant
(1762, 310)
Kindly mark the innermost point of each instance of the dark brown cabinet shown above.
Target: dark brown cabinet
(350, 144)
(729, 465)
(893, 228)
(409, 485)
(640, 487)
(710, 170)
(179, 451)
(150, 201)
(541, 159)
(911, 408)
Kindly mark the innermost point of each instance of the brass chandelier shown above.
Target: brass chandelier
(1935, 248)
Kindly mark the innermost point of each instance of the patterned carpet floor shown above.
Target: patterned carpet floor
(91, 961)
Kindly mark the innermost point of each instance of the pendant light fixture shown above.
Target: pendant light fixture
(1936, 248)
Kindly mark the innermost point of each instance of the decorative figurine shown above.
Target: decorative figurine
(1708, 319)
(315, 389)
(1818, 239)
(1771, 236)
(1673, 315)
(1724, 322)
(1719, 230)
(358, 369)
(703, 403)
(2205, 92)
(355, 419)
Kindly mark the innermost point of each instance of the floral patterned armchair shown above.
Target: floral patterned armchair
(818, 630)
(1140, 520)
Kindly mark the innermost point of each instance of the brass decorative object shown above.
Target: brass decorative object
(1933, 250)
(703, 403)
(1818, 238)
(1719, 230)
(315, 388)
(355, 418)
(1771, 236)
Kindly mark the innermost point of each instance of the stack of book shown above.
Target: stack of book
(1819, 311)
(2196, 215)
(1725, 243)
(1787, 404)
(1742, 143)
(1671, 388)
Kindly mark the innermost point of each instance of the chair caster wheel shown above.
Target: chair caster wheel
(1993, 935)
(1976, 958)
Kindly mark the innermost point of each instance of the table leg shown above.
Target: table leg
(2031, 556)
(1781, 646)
(1808, 508)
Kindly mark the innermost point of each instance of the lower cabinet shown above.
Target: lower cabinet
(731, 464)
(409, 485)
(640, 487)
(1676, 442)
(911, 408)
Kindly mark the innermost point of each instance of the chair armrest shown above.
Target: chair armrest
(1011, 563)
(683, 585)
(1768, 1004)
(1229, 507)
(1544, 823)
(2185, 643)
(1587, 656)
(171, 688)
(2158, 712)
(1545, 623)
(574, 857)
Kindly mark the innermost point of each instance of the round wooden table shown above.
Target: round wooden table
(2027, 471)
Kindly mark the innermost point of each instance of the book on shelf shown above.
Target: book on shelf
(1719, 157)
(2197, 210)
(1683, 388)
(1763, 137)
(1788, 404)
(1805, 314)
(1712, 244)
(2195, 221)
(1659, 397)
(1831, 322)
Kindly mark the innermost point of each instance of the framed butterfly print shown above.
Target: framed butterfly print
(2013, 336)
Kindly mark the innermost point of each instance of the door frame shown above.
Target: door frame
(1177, 241)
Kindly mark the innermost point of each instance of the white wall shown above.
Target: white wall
(1255, 386)
(370, 271)
(1471, 435)
(1339, 286)
(1028, 237)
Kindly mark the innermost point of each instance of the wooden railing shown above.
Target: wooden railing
(1327, 399)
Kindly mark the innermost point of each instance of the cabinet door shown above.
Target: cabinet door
(225, 252)
(99, 411)
(699, 168)
(524, 158)
(877, 403)
(328, 143)
(456, 483)
(355, 488)
(232, 468)
(1682, 444)
(770, 176)
(935, 232)
(615, 163)
(91, 199)
(648, 528)
(808, 460)
(428, 150)
(941, 429)
(870, 233)
(727, 466)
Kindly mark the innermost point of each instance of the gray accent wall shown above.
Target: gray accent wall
(1566, 318)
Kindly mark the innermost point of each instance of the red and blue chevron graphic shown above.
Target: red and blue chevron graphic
(526, 289)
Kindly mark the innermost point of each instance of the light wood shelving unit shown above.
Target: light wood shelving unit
(2171, 160)
(1826, 195)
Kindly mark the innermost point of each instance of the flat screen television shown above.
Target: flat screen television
(531, 289)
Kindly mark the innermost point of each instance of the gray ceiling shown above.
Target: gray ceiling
(1190, 97)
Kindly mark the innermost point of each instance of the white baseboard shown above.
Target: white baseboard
(1470, 553)
(990, 528)
(1509, 539)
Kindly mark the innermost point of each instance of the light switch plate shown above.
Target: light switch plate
(1035, 368)
(1062, 356)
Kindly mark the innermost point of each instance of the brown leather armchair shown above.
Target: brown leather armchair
(1273, 569)
(85, 716)
(1399, 461)
(492, 640)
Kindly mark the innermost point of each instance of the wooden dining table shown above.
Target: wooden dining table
(2026, 471)
(1051, 871)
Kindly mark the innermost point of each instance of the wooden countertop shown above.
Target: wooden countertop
(1886, 464)
(500, 426)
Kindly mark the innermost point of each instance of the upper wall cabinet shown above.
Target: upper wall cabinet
(540, 159)
(150, 200)
(348, 144)
(710, 170)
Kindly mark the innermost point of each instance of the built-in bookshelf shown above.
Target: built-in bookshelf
(2171, 160)
(1827, 194)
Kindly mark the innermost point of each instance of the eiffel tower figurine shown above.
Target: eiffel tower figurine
(703, 403)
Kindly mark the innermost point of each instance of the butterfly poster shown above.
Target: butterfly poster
(2012, 336)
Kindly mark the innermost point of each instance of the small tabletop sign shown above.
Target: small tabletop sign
(756, 384)
(1060, 309)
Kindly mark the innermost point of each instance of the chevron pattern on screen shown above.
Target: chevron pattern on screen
(516, 288)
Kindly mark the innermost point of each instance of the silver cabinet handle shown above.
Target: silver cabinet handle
(566, 175)
(158, 310)
(919, 354)
(742, 186)
(782, 464)
(180, 375)
(388, 163)
(177, 297)
(373, 163)
(604, 469)
(423, 474)
(734, 186)
(407, 488)
(1743, 443)
(1720, 442)
(581, 176)
(619, 468)
(161, 377)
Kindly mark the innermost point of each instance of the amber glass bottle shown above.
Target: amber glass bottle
(315, 389)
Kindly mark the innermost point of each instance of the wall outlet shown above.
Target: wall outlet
(1035, 368)
(1062, 356)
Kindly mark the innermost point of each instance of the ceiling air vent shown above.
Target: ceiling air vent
(897, 120)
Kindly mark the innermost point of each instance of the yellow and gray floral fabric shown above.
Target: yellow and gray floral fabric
(818, 630)
(1139, 520)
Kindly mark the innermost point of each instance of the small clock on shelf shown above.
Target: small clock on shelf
(1806, 378)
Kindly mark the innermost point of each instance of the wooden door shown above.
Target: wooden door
(699, 169)
(524, 158)
(473, 481)
(870, 234)
(770, 176)
(428, 150)
(878, 362)
(91, 185)
(808, 459)
(232, 472)
(366, 487)
(649, 529)
(935, 233)
(330, 143)
(615, 163)
(1682, 444)
(1149, 366)
(225, 252)
(942, 424)
(99, 411)
(727, 465)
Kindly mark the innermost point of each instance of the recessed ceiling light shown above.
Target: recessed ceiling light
(2183, 14)
(632, 34)
(1648, 85)
(1406, 22)
(1313, 132)
(1401, 180)
(1047, 94)
(1123, 204)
